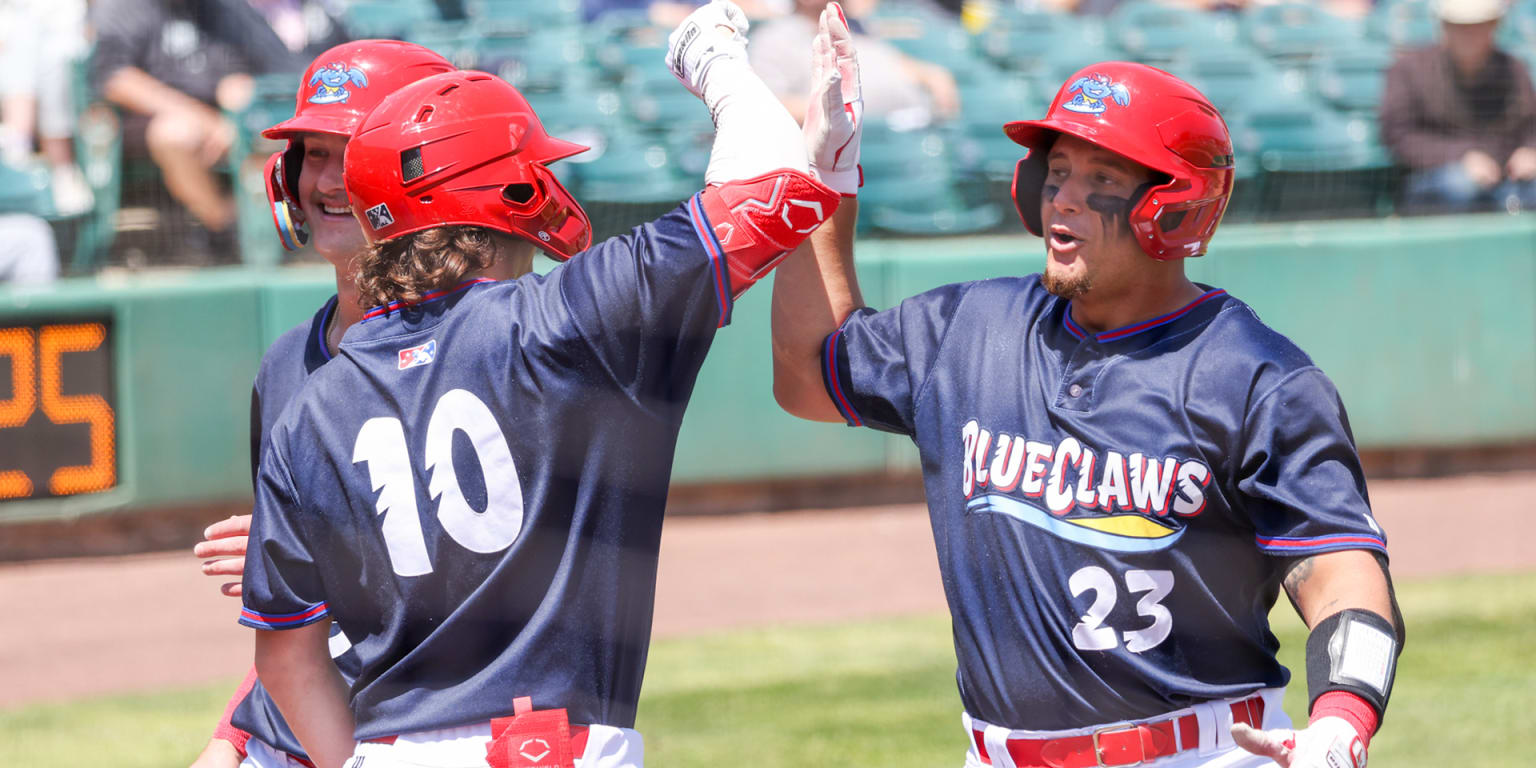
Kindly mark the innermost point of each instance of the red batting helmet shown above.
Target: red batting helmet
(462, 148)
(336, 92)
(1150, 117)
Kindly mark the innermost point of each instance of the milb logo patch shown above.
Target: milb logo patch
(419, 355)
(378, 217)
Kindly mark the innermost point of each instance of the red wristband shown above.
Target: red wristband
(1351, 708)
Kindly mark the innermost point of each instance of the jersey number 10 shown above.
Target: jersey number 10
(381, 443)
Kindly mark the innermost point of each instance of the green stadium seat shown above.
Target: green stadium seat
(1066, 60)
(1154, 33)
(1297, 30)
(1313, 163)
(1022, 41)
(544, 62)
(453, 40)
(392, 19)
(1232, 77)
(1352, 79)
(1517, 33)
(578, 110)
(25, 190)
(1403, 23)
(656, 100)
(632, 169)
(526, 17)
(988, 104)
(912, 187)
(691, 142)
(622, 40)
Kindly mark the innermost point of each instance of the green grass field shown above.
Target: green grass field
(882, 693)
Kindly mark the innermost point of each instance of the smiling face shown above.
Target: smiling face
(1085, 207)
(333, 232)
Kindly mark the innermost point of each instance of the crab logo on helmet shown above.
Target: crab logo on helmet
(332, 83)
(1094, 93)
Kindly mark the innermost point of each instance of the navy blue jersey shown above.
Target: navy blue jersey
(284, 368)
(473, 490)
(1112, 511)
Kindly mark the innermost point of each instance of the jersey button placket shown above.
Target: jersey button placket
(1074, 394)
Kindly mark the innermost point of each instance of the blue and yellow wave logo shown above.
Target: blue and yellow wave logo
(1114, 532)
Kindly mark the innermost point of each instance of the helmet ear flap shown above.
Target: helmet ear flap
(1028, 179)
(281, 176)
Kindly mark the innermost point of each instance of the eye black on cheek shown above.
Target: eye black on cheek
(1114, 211)
(1050, 191)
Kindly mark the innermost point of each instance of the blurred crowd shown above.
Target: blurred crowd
(162, 84)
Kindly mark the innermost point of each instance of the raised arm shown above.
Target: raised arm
(760, 199)
(816, 287)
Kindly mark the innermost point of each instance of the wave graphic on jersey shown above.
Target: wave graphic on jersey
(1116, 533)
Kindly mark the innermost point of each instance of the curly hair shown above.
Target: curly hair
(409, 267)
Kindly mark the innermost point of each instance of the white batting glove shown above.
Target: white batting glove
(1330, 742)
(754, 134)
(834, 116)
(712, 33)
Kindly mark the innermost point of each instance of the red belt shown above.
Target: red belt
(578, 740)
(1117, 745)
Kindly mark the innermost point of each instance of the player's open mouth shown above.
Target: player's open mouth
(332, 210)
(1062, 238)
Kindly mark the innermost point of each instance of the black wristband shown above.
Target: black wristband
(1354, 651)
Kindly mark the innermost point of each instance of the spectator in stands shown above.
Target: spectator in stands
(28, 255)
(158, 62)
(901, 90)
(39, 42)
(1461, 115)
(277, 35)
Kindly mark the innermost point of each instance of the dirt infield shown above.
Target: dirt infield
(83, 627)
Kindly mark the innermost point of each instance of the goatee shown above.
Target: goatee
(1067, 288)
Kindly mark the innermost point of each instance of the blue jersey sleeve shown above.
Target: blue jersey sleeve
(875, 365)
(648, 303)
(282, 588)
(1300, 477)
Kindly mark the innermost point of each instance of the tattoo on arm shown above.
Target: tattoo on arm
(1295, 579)
(1297, 574)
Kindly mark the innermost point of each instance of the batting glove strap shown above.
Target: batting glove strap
(1353, 651)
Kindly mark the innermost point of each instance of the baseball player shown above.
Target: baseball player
(1123, 467)
(473, 490)
(309, 205)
